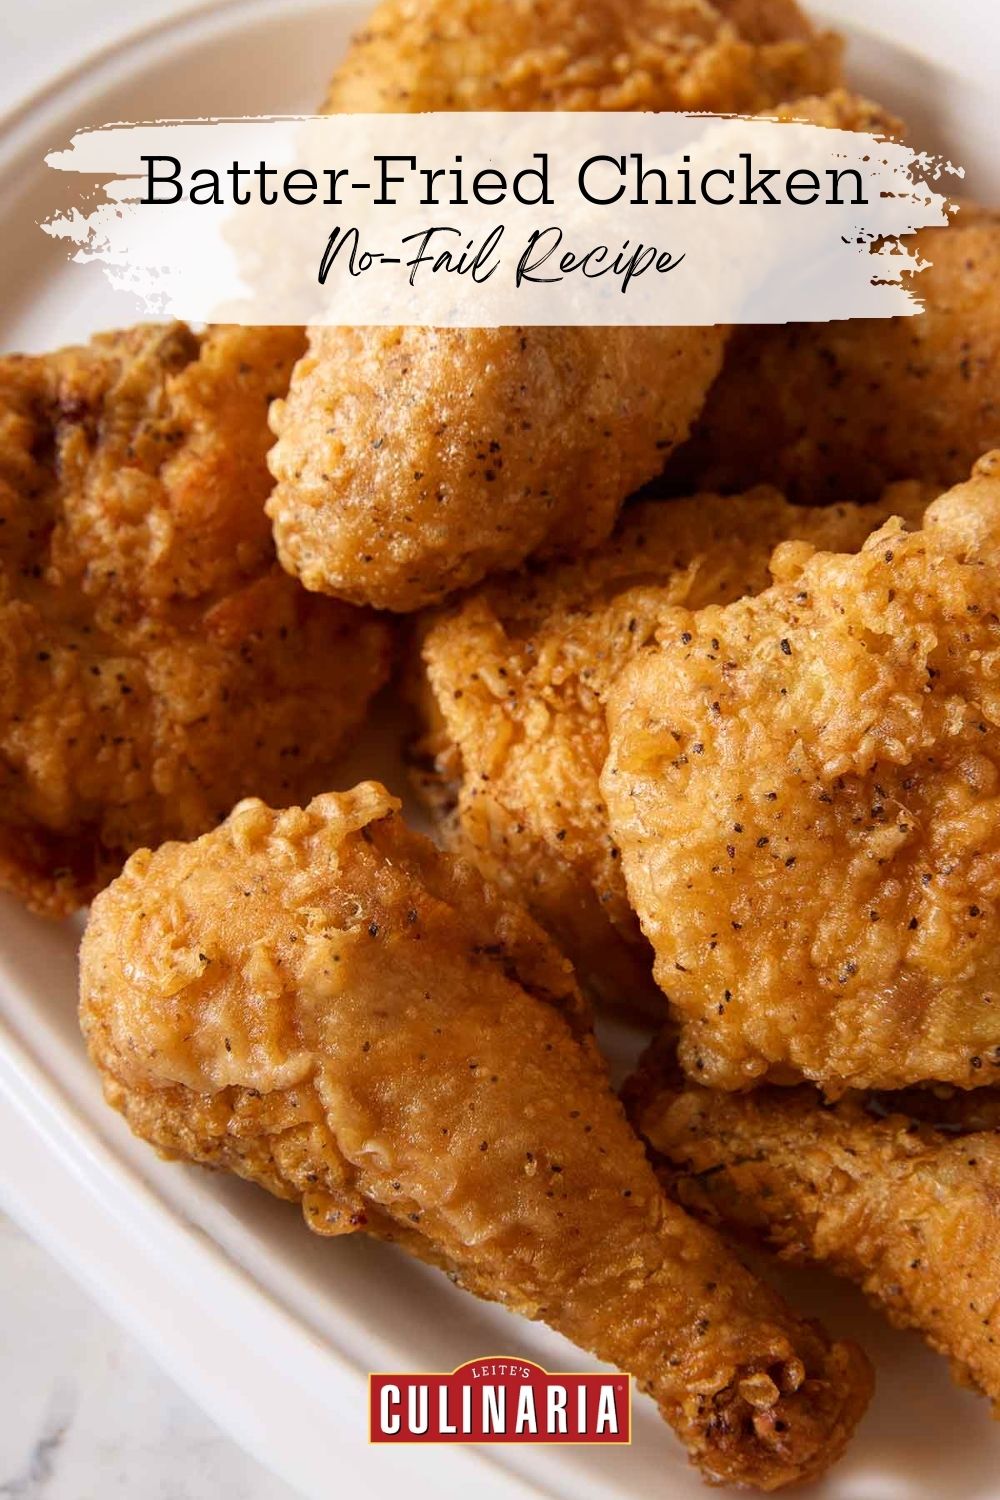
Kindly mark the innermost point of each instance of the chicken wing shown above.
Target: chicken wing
(413, 461)
(516, 677)
(830, 409)
(805, 788)
(155, 662)
(320, 1001)
(904, 1211)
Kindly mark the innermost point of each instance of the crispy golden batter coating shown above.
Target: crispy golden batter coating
(416, 55)
(901, 1209)
(320, 1001)
(155, 662)
(830, 409)
(517, 674)
(804, 787)
(841, 110)
(955, 1111)
(158, 438)
(412, 462)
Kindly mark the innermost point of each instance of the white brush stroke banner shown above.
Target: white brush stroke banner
(744, 220)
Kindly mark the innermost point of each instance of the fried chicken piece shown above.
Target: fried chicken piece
(805, 788)
(841, 110)
(942, 1106)
(516, 678)
(830, 409)
(155, 662)
(322, 1002)
(907, 1213)
(413, 461)
(738, 55)
(159, 439)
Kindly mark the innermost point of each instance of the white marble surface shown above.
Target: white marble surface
(86, 1415)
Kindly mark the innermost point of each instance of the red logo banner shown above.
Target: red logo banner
(500, 1399)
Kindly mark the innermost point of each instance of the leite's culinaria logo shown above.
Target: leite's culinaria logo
(499, 1400)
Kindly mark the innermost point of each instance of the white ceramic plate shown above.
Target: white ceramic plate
(273, 1330)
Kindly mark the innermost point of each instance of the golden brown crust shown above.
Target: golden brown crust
(155, 663)
(942, 1106)
(412, 462)
(415, 55)
(804, 789)
(517, 675)
(830, 409)
(157, 437)
(840, 109)
(906, 1212)
(320, 1001)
